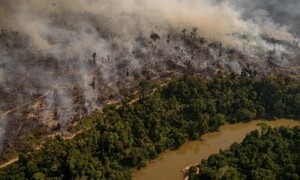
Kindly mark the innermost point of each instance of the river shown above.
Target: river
(170, 163)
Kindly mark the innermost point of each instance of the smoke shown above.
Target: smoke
(281, 12)
(70, 22)
(2, 76)
(47, 47)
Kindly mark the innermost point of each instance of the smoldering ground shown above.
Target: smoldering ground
(77, 53)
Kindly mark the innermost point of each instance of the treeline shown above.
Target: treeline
(272, 154)
(126, 138)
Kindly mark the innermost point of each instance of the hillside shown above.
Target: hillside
(63, 60)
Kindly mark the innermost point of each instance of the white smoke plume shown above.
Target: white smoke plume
(51, 24)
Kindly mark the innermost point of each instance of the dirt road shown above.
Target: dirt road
(9, 162)
(25, 104)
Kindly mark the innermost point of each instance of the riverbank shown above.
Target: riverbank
(170, 163)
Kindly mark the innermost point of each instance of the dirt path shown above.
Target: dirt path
(9, 162)
(68, 137)
(25, 104)
(33, 100)
(138, 98)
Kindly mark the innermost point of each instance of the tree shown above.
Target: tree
(231, 173)
(145, 88)
(39, 176)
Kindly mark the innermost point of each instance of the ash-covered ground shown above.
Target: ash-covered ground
(62, 60)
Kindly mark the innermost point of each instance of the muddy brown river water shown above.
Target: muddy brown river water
(170, 163)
